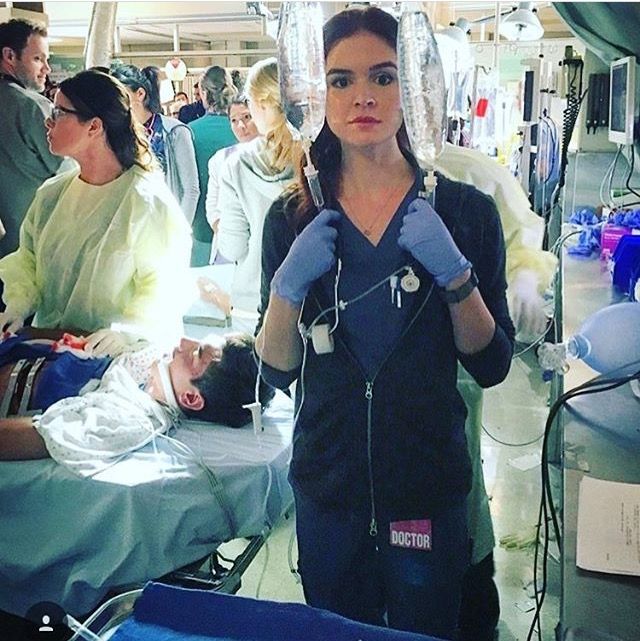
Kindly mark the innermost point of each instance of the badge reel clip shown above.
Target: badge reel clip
(322, 339)
(321, 335)
(409, 283)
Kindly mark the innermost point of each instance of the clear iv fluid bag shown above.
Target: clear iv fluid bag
(422, 85)
(608, 340)
(303, 87)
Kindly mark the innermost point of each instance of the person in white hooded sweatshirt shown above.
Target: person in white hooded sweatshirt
(252, 178)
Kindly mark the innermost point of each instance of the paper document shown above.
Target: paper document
(526, 462)
(608, 527)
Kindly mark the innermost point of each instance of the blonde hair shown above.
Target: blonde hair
(262, 86)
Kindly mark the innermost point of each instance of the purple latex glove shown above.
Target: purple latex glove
(426, 237)
(311, 255)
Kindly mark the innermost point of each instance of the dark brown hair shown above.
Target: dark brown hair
(97, 95)
(147, 79)
(229, 383)
(217, 89)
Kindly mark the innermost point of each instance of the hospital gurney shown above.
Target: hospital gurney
(72, 541)
(175, 614)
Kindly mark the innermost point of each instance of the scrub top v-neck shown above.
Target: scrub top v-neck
(372, 325)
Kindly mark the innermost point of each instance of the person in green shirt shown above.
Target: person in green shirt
(210, 133)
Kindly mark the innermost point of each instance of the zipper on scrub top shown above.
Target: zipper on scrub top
(373, 524)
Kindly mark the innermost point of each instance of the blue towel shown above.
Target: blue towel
(588, 242)
(627, 218)
(166, 613)
(589, 238)
(584, 216)
(66, 375)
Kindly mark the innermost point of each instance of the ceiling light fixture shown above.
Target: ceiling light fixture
(522, 24)
(454, 47)
(458, 31)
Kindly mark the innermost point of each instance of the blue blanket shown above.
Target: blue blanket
(165, 613)
(66, 375)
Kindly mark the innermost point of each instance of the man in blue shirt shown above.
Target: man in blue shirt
(193, 110)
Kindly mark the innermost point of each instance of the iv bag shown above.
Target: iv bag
(458, 95)
(303, 87)
(422, 85)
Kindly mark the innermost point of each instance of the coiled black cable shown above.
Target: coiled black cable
(575, 97)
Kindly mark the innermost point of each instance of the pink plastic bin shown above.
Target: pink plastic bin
(611, 235)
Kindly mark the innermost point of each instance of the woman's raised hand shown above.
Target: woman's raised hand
(427, 239)
(312, 255)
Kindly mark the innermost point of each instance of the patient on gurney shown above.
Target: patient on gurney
(63, 399)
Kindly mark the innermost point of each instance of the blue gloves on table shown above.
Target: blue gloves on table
(426, 237)
(312, 255)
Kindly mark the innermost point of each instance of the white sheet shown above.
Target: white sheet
(70, 540)
(85, 433)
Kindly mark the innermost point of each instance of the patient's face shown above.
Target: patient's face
(190, 360)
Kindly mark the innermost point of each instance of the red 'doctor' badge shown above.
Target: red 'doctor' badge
(412, 535)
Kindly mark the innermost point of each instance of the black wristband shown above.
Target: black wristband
(458, 295)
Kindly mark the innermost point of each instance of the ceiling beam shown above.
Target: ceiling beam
(187, 37)
(171, 20)
(197, 53)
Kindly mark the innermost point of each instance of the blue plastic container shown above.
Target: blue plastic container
(626, 263)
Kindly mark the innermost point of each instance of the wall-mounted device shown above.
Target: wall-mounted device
(622, 100)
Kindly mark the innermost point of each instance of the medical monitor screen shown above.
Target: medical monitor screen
(622, 100)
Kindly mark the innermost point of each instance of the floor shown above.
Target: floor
(515, 413)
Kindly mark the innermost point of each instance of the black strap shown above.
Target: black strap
(26, 391)
(11, 386)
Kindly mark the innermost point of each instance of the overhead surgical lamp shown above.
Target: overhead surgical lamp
(454, 47)
(522, 24)
(457, 32)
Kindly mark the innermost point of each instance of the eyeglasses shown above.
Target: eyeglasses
(57, 112)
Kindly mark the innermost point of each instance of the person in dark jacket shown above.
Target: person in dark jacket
(370, 304)
(194, 110)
